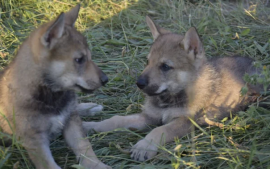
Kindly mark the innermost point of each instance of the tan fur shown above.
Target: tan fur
(180, 84)
(37, 91)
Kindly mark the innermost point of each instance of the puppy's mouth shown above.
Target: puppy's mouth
(157, 94)
(84, 90)
(151, 92)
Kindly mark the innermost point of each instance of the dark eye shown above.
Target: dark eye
(80, 60)
(164, 67)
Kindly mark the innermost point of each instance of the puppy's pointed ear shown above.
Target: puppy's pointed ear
(155, 30)
(193, 46)
(54, 32)
(153, 27)
(72, 15)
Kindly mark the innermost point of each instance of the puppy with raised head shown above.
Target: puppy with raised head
(180, 84)
(37, 92)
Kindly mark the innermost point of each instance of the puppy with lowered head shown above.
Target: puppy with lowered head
(37, 92)
(179, 84)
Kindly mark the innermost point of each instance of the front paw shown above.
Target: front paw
(89, 109)
(95, 109)
(101, 165)
(94, 164)
(143, 150)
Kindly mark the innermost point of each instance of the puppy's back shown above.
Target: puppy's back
(234, 68)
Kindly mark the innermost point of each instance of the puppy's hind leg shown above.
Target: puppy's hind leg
(88, 109)
(74, 136)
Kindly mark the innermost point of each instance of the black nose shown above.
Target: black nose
(142, 82)
(104, 79)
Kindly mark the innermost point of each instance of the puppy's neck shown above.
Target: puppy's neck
(167, 100)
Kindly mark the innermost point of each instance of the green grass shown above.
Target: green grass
(119, 40)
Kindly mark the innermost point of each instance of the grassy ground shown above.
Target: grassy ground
(119, 40)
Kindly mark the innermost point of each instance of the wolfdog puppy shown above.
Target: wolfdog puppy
(181, 84)
(37, 91)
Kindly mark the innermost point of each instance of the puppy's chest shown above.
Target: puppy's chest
(56, 107)
(57, 123)
(171, 101)
(167, 107)
(45, 101)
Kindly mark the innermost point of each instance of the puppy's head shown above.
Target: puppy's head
(63, 54)
(173, 61)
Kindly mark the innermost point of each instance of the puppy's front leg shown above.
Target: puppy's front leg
(88, 109)
(147, 147)
(39, 152)
(135, 121)
(82, 148)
